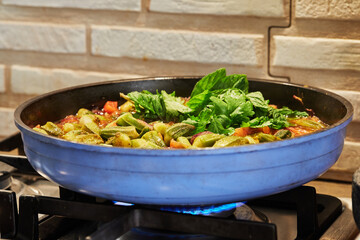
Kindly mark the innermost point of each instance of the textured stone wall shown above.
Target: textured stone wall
(50, 44)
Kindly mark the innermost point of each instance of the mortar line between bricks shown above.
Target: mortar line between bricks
(269, 43)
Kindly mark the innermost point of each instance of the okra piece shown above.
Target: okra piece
(40, 130)
(177, 130)
(184, 141)
(52, 129)
(142, 143)
(121, 140)
(153, 136)
(127, 106)
(71, 126)
(161, 127)
(71, 135)
(263, 137)
(111, 131)
(89, 122)
(127, 119)
(251, 140)
(207, 140)
(283, 134)
(230, 141)
(308, 123)
(83, 111)
(89, 139)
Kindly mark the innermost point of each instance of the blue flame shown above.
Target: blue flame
(122, 203)
(203, 210)
(197, 210)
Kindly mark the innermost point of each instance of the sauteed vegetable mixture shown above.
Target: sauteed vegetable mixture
(220, 112)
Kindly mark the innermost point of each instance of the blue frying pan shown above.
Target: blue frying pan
(182, 177)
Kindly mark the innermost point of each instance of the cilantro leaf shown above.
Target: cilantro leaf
(148, 104)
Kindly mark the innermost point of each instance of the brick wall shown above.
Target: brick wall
(50, 44)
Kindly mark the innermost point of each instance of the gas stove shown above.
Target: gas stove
(32, 207)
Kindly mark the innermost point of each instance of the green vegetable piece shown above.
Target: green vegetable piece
(71, 126)
(52, 129)
(142, 143)
(154, 137)
(127, 119)
(121, 140)
(308, 123)
(71, 135)
(111, 131)
(230, 141)
(89, 139)
(112, 124)
(83, 111)
(251, 140)
(207, 140)
(184, 141)
(263, 137)
(283, 134)
(177, 130)
(40, 130)
(89, 122)
(161, 127)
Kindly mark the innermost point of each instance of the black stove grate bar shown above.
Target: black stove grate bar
(8, 214)
(17, 161)
(315, 212)
(131, 217)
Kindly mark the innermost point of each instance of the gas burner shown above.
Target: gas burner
(238, 211)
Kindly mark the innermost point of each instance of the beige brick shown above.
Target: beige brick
(350, 157)
(354, 98)
(269, 8)
(125, 5)
(317, 53)
(2, 79)
(31, 80)
(33, 36)
(188, 46)
(7, 125)
(325, 9)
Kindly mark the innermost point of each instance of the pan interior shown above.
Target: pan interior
(57, 105)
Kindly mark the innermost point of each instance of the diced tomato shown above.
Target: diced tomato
(111, 106)
(273, 106)
(266, 130)
(175, 144)
(242, 132)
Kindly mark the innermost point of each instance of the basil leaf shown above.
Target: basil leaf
(199, 101)
(220, 107)
(218, 80)
(242, 113)
(257, 99)
(208, 81)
